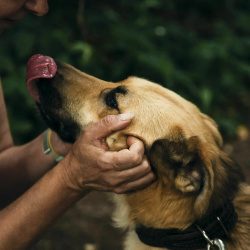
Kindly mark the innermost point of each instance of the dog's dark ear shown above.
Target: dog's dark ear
(180, 164)
(179, 161)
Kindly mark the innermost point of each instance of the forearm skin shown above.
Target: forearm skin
(24, 220)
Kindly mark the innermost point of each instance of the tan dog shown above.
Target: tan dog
(198, 187)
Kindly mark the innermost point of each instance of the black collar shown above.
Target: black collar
(192, 237)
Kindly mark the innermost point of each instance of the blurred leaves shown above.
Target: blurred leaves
(84, 49)
(197, 49)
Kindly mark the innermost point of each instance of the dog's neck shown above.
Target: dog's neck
(217, 225)
(155, 206)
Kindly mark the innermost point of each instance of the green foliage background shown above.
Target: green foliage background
(200, 49)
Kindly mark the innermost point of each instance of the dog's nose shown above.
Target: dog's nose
(39, 66)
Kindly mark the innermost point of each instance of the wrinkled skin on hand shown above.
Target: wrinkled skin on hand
(90, 165)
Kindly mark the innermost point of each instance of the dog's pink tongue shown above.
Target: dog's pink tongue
(39, 66)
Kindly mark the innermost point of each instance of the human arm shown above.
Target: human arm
(21, 166)
(25, 219)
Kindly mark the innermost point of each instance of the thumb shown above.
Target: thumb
(109, 124)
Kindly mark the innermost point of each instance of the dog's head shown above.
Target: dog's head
(182, 144)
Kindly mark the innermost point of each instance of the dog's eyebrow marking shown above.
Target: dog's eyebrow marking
(110, 97)
(119, 90)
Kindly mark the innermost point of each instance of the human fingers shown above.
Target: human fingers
(108, 125)
(127, 180)
(136, 172)
(137, 184)
(135, 145)
(127, 158)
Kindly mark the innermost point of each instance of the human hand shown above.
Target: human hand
(89, 164)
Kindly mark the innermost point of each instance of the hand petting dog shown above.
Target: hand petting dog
(90, 164)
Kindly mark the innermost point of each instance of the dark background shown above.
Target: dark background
(199, 49)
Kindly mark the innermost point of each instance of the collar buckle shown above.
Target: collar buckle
(218, 243)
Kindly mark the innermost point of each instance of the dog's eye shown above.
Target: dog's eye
(110, 100)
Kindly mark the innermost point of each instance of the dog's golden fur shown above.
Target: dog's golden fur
(183, 145)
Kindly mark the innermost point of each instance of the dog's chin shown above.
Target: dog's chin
(48, 118)
(67, 129)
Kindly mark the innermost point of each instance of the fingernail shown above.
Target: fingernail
(126, 116)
